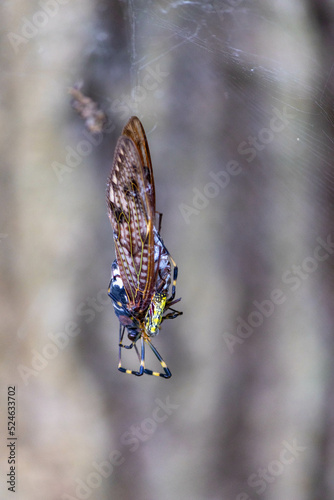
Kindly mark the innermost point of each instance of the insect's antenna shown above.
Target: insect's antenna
(167, 373)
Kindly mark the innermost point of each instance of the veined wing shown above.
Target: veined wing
(131, 214)
(135, 131)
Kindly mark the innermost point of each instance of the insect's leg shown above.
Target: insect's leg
(160, 221)
(142, 363)
(175, 273)
(171, 300)
(167, 373)
(121, 335)
(169, 304)
(172, 315)
(137, 352)
(120, 345)
(175, 269)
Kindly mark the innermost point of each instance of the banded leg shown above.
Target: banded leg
(141, 357)
(175, 268)
(171, 300)
(167, 373)
(175, 273)
(172, 315)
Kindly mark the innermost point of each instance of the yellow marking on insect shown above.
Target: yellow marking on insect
(153, 319)
(163, 364)
(128, 371)
(172, 260)
(157, 374)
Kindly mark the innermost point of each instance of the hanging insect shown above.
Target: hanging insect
(142, 271)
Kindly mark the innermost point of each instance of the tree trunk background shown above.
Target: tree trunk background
(237, 99)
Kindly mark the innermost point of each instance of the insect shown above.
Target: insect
(142, 271)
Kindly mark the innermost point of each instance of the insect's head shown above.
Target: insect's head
(134, 334)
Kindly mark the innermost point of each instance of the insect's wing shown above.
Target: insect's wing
(131, 215)
(135, 131)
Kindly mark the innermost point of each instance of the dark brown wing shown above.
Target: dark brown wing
(132, 215)
(135, 131)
